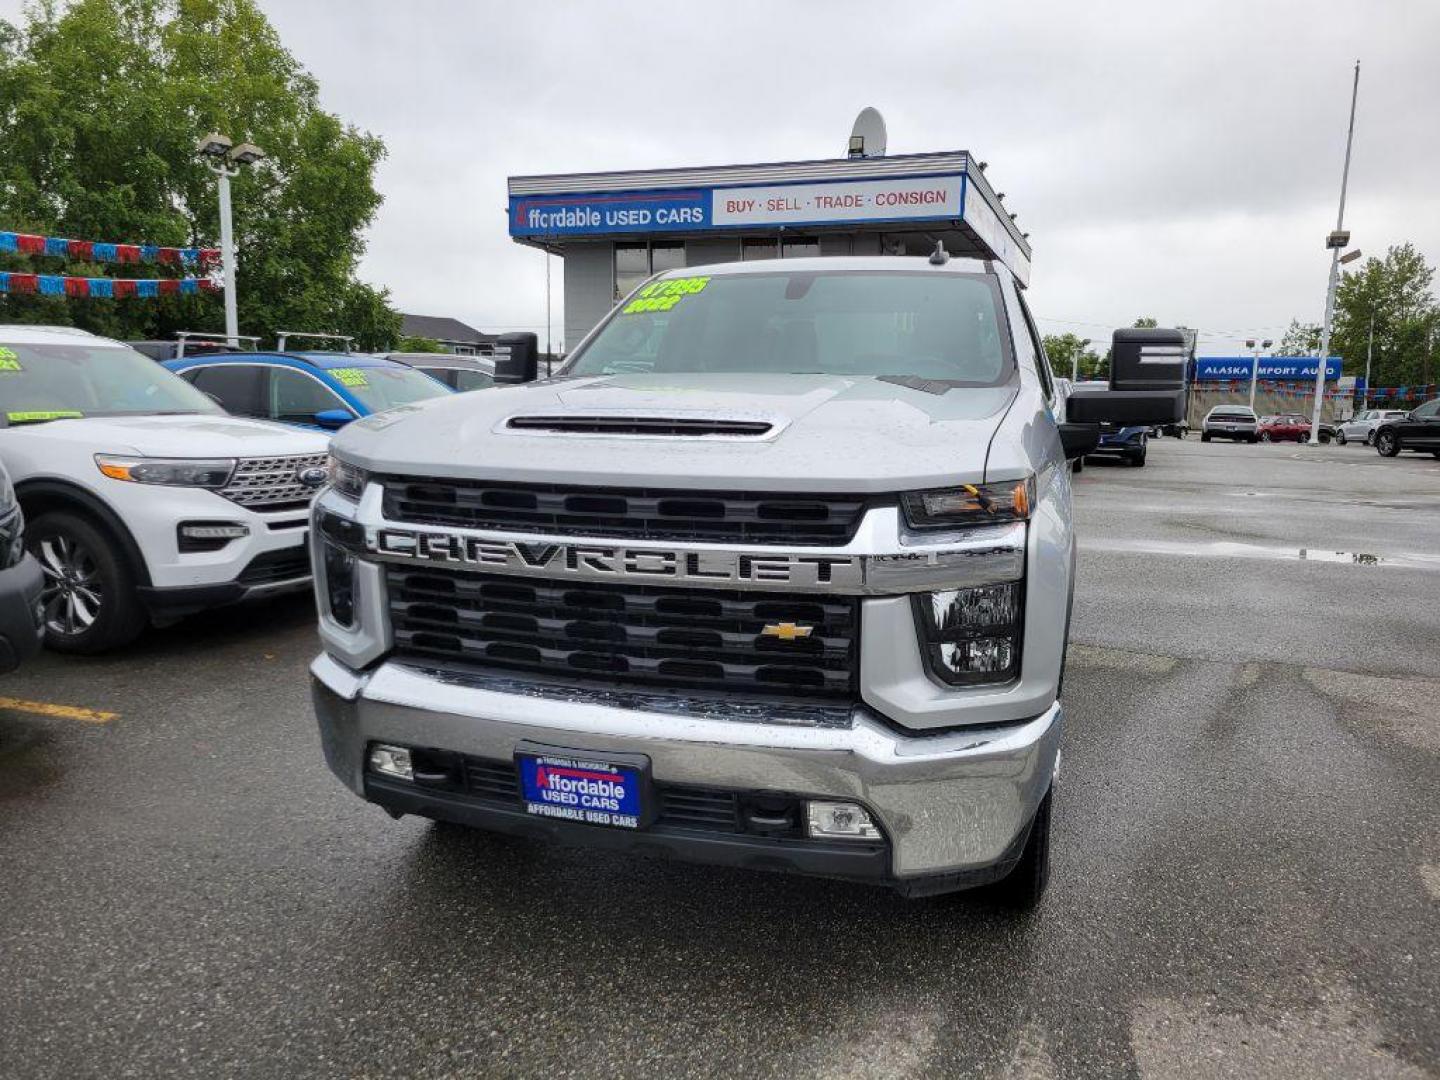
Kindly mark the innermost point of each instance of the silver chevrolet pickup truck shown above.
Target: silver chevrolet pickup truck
(776, 573)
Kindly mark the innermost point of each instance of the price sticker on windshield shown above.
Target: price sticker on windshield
(9, 360)
(664, 295)
(350, 376)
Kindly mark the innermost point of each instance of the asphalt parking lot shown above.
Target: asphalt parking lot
(1246, 878)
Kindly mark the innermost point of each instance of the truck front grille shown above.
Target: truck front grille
(630, 513)
(629, 634)
(269, 484)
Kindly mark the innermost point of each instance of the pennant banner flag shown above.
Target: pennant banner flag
(103, 288)
(95, 251)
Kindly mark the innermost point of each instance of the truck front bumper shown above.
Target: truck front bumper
(955, 807)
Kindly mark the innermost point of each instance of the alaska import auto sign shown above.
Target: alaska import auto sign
(1272, 368)
(688, 210)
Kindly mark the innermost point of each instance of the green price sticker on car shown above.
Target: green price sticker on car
(9, 360)
(350, 376)
(39, 416)
(664, 295)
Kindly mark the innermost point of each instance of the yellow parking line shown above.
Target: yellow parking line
(64, 712)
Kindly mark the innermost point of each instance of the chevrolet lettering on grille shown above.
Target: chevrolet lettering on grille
(617, 562)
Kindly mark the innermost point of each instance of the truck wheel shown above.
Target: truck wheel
(1138, 460)
(1387, 443)
(89, 593)
(1339, 437)
(1023, 887)
(1204, 436)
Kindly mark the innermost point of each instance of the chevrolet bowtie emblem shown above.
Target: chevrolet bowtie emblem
(787, 631)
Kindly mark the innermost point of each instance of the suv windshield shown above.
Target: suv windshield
(942, 326)
(379, 388)
(55, 382)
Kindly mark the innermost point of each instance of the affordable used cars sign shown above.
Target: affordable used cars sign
(605, 213)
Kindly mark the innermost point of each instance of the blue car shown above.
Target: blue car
(1127, 443)
(306, 389)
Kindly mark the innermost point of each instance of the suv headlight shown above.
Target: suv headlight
(972, 636)
(173, 472)
(349, 480)
(970, 504)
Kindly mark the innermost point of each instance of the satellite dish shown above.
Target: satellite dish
(867, 137)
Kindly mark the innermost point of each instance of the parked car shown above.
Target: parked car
(460, 373)
(1416, 430)
(798, 595)
(316, 390)
(1286, 427)
(143, 500)
(1237, 422)
(21, 581)
(1361, 427)
(1127, 443)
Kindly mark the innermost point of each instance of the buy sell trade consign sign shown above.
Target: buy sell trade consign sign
(923, 198)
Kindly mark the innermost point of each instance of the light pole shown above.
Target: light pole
(1335, 241)
(224, 159)
(1255, 365)
(1369, 352)
(1075, 362)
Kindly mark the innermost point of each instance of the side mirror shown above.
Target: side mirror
(330, 419)
(1079, 439)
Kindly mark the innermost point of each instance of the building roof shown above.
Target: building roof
(442, 328)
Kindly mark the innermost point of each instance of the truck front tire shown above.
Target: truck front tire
(89, 595)
(1023, 888)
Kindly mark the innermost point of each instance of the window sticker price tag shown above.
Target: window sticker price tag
(9, 360)
(41, 415)
(350, 376)
(664, 295)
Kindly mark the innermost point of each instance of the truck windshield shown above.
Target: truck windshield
(931, 325)
(39, 383)
(380, 388)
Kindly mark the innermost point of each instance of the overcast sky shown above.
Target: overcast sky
(1175, 160)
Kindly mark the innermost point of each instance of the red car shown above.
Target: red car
(1287, 427)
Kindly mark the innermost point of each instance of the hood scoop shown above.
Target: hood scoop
(662, 427)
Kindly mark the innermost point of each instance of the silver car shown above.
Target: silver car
(1361, 427)
(1237, 422)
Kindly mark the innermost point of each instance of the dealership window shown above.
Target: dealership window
(759, 248)
(799, 247)
(636, 262)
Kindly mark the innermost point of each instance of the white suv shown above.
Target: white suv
(144, 501)
(1361, 427)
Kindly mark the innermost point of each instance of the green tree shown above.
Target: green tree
(1300, 339)
(1395, 291)
(101, 105)
(419, 344)
(1065, 350)
(1145, 322)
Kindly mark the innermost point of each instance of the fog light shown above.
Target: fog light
(216, 531)
(392, 761)
(841, 819)
(340, 584)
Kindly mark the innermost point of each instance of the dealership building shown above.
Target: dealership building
(615, 229)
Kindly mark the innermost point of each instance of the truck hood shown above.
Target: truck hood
(826, 433)
(175, 436)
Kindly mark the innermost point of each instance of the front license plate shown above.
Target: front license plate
(574, 786)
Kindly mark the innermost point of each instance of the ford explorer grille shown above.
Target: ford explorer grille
(630, 513)
(641, 635)
(273, 483)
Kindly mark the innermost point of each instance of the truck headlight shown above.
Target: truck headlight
(972, 636)
(970, 504)
(349, 480)
(171, 472)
